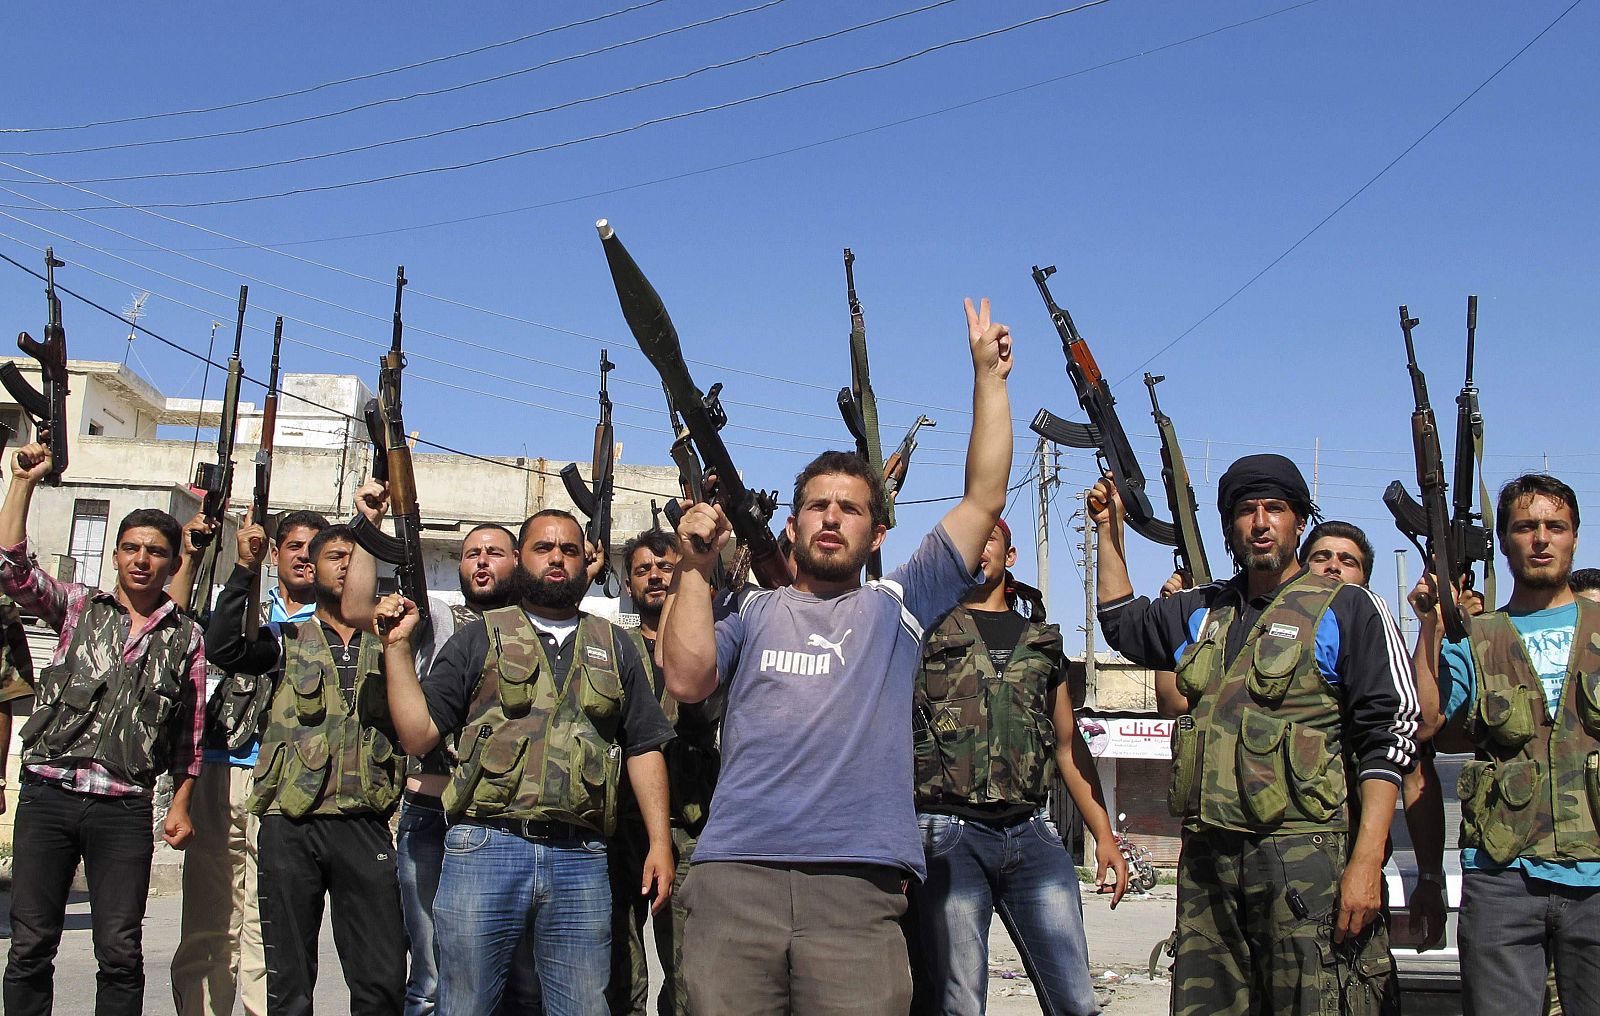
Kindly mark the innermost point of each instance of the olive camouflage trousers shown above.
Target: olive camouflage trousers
(1255, 931)
(628, 993)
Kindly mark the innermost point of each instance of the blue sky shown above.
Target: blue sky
(1159, 184)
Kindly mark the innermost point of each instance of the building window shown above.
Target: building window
(96, 429)
(89, 538)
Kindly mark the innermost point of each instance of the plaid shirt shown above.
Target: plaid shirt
(61, 606)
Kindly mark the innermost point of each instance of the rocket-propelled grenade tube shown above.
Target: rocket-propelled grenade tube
(652, 328)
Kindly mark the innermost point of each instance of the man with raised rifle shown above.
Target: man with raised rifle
(220, 955)
(799, 878)
(486, 573)
(326, 783)
(118, 706)
(993, 723)
(1299, 699)
(549, 705)
(693, 759)
(1526, 683)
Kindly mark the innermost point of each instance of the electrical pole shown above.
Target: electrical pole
(1047, 479)
(1089, 533)
(1400, 592)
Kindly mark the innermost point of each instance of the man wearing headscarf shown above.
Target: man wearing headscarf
(1302, 717)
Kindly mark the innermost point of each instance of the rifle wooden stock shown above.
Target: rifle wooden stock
(261, 496)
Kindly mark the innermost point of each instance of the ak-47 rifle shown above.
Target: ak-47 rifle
(1190, 552)
(386, 425)
(894, 471)
(46, 410)
(261, 496)
(1429, 521)
(1104, 431)
(215, 479)
(595, 501)
(749, 511)
(857, 403)
(1471, 532)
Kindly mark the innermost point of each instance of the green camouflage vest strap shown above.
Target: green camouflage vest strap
(1535, 789)
(693, 757)
(1260, 749)
(322, 754)
(529, 751)
(93, 707)
(463, 615)
(16, 662)
(238, 704)
(982, 737)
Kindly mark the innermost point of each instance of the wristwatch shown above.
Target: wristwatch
(1430, 876)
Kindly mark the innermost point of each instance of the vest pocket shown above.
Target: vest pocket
(268, 777)
(59, 724)
(464, 775)
(1507, 715)
(380, 777)
(305, 774)
(601, 694)
(1272, 669)
(498, 777)
(1260, 766)
(1185, 757)
(516, 690)
(1315, 789)
(309, 704)
(1506, 822)
(1589, 702)
(1192, 678)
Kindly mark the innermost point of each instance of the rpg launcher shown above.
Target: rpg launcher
(894, 471)
(1190, 552)
(214, 480)
(1450, 544)
(47, 410)
(594, 498)
(261, 495)
(1104, 431)
(749, 511)
(392, 464)
(857, 403)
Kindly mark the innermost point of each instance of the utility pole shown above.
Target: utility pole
(1047, 480)
(1089, 534)
(1400, 592)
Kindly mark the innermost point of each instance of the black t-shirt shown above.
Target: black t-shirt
(454, 675)
(1001, 632)
(344, 658)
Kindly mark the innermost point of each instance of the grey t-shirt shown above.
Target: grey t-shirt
(816, 738)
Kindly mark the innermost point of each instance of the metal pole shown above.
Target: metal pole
(1046, 476)
(1400, 591)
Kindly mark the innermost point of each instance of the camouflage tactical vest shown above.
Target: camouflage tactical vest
(531, 752)
(1535, 789)
(16, 664)
(982, 737)
(238, 704)
(322, 754)
(93, 707)
(1260, 748)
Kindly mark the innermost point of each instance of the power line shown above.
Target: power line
(370, 75)
(620, 131)
(1356, 194)
(734, 164)
(497, 121)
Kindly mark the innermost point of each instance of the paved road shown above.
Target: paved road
(1119, 941)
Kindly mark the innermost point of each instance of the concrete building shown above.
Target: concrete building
(118, 463)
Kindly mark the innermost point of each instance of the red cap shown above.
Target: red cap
(1004, 529)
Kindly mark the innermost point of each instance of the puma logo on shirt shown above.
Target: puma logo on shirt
(838, 647)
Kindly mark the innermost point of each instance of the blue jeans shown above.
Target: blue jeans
(1512, 926)
(419, 848)
(1023, 872)
(496, 886)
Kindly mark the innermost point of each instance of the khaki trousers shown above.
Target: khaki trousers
(220, 955)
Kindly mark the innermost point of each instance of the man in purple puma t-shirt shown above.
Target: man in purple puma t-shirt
(798, 880)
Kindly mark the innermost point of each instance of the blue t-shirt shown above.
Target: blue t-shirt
(1547, 636)
(816, 738)
(277, 614)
